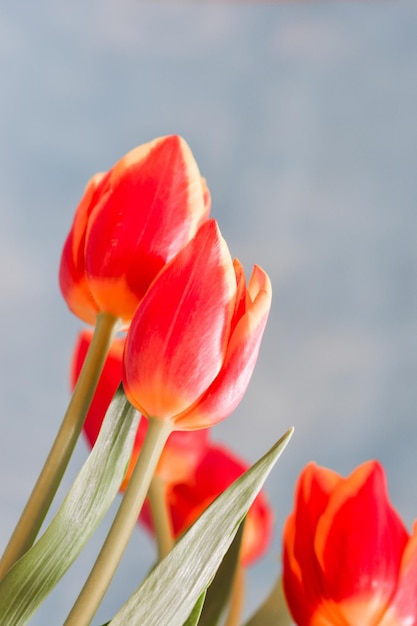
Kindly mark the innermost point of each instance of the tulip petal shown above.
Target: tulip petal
(72, 277)
(403, 607)
(156, 203)
(301, 569)
(241, 294)
(178, 337)
(227, 390)
(361, 530)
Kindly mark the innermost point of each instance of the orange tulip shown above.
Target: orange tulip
(130, 222)
(194, 340)
(216, 471)
(348, 559)
(182, 450)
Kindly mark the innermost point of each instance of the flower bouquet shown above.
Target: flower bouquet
(174, 332)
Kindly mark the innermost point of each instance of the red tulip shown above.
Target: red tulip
(216, 471)
(194, 339)
(130, 222)
(348, 559)
(182, 450)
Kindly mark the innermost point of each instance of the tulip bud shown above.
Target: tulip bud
(130, 222)
(194, 340)
(348, 558)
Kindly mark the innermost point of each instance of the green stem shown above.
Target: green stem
(161, 516)
(123, 525)
(50, 477)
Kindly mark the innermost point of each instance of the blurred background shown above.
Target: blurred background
(302, 117)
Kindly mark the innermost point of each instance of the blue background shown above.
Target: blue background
(302, 117)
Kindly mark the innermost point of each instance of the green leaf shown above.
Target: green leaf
(274, 610)
(29, 581)
(218, 594)
(169, 593)
(194, 617)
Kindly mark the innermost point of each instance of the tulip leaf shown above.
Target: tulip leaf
(218, 594)
(29, 581)
(274, 610)
(194, 617)
(169, 593)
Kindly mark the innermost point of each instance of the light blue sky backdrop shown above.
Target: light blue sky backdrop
(302, 117)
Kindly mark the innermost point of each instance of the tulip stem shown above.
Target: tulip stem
(237, 599)
(50, 477)
(123, 525)
(161, 517)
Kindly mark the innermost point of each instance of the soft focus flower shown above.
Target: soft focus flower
(216, 471)
(182, 450)
(129, 223)
(194, 339)
(348, 559)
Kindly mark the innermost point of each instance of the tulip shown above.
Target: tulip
(194, 339)
(130, 222)
(348, 558)
(216, 471)
(182, 450)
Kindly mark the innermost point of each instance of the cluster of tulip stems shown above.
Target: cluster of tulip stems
(174, 334)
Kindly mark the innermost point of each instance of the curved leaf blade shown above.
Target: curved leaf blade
(194, 617)
(169, 593)
(219, 592)
(30, 580)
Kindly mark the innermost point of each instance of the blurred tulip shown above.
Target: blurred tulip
(194, 339)
(182, 450)
(130, 222)
(348, 559)
(216, 471)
